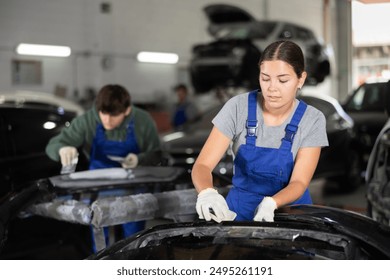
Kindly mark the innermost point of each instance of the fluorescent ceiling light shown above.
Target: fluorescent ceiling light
(44, 50)
(158, 57)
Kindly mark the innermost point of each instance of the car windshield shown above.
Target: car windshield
(368, 97)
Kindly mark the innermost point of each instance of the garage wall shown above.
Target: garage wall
(104, 45)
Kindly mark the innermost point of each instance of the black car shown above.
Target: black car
(231, 59)
(339, 161)
(27, 121)
(378, 178)
(300, 232)
(51, 218)
(367, 107)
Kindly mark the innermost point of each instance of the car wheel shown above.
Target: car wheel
(352, 178)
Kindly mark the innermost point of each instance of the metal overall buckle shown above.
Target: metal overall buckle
(290, 132)
(251, 127)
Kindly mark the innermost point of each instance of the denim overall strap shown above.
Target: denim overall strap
(251, 122)
(292, 128)
(102, 147)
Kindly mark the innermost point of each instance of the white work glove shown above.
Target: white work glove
(68, 155)
(210, 199)
(265, 210)
(130, 161)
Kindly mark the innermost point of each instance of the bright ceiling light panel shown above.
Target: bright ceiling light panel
(158, 57)
(43, 50)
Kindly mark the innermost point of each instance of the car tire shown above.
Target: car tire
(352, 178)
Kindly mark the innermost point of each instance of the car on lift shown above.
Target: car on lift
(231, 59)
(366, 106)
(338, 162)
(302, 232)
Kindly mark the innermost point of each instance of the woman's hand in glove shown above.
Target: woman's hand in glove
(211, 205)
(265, 210)
(130, 161)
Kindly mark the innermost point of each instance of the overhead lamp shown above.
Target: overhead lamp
(158, 57)
(43, 50)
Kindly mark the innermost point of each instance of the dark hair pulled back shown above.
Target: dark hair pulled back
(286, 51)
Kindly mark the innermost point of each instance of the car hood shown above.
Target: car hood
(23, 97)
(220, 15)
(190, 142)
(299, 232)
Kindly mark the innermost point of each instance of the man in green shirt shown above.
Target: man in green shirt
(113, 128)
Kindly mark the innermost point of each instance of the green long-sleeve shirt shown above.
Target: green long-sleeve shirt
(82, 129)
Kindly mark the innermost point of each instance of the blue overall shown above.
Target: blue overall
(101, 147)
(180, 116)
(261, 171)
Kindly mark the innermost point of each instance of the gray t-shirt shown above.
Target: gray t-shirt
(232, 118)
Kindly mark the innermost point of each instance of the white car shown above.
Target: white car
(21, 97)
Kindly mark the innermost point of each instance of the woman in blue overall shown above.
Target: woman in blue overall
(276, 140)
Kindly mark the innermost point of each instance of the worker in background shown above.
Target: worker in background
(185, 111)
(113, 128)
(277, 141)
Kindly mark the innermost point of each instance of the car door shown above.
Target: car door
(24, 135)
(367, 108)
